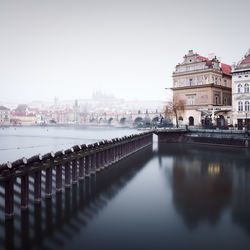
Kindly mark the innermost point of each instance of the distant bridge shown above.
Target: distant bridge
(127, 119)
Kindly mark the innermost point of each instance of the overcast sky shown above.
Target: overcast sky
(128, 48)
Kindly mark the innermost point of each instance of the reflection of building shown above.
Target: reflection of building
(241, 194)
(240, 92)
(201, 190)
(204, 86)
(4, 116)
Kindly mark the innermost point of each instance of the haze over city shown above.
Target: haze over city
(70, 49)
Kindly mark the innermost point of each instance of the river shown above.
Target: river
(171, 196)
(17, 142)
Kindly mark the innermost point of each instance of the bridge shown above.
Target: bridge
(126, 119)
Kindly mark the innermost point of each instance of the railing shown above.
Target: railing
(69, 166)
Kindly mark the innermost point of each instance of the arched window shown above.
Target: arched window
(240, 106)
(246, 88)
(239, 88)
(247, 106)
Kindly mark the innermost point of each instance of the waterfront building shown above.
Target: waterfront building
(240, 92)
(204, 85)
(4, 116)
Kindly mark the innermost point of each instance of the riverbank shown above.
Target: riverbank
(204, 136)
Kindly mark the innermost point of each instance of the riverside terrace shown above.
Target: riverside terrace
(69, 166)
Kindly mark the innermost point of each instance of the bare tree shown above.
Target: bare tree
(175, 109)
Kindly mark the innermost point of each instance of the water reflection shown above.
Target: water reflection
(206, 181)
(57, 220)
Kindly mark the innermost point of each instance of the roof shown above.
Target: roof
(202, 58)
(246, 60)
(3, 108)
(225, 68)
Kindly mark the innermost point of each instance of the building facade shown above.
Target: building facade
(204, 85)
(240, 92)
(4, 116)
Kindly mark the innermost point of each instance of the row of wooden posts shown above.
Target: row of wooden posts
(77, 163)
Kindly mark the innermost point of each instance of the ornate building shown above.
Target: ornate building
(240, 92)
(204, 86)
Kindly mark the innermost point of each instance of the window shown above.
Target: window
(191, 82)
(225, 83)
(247, 107)
(182, 82)
(182, 69)
(199, 66)
(240, 106)
(219, 81)
(191, 100)
(190, 68)
(199, 80)
(206, 79)
(239, 88)
(216, 100)
(246, 88)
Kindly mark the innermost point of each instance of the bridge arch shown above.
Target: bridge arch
(110, 120)
(155, 119)
(138, 120)
(92, 120)
(123, 120)
(147, 121)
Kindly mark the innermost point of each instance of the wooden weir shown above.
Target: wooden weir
(70, 167)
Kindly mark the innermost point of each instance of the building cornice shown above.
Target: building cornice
(212, 85)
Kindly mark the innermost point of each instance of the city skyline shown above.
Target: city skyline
(70, 49)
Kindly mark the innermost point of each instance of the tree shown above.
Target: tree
(174, 109)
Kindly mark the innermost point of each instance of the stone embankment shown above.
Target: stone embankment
(205, 136)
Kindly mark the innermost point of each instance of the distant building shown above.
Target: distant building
(4, 116)
(240, 92)
(204, 86)
(23, 115)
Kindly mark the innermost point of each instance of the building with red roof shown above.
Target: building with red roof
(204, 87)
(241, 93)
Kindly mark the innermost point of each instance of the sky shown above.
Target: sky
(71, 48)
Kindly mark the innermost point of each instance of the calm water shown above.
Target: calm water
(27, 141)
(174, 196)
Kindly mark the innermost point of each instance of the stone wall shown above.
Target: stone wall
(216, 138)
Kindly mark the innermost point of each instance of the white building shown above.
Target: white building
(4, 116)
(241, 93)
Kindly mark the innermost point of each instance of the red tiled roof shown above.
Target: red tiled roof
(226, 69)
(246, 60)
(202, 58)
(209, 63)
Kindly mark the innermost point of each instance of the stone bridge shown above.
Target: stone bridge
(127, 119)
